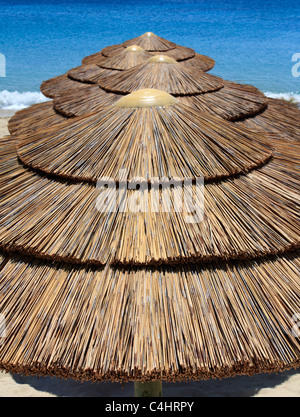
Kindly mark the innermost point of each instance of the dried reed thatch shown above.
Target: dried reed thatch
(188, 56)
(128, 58)
(151, 42)
(136, 139)
(93, 74)
(155, 45)
(90, 74)
(110, 51)
(180, 53)
(280, 117)
(194, 322)
(162, 73)
(145, 294)
(63, 222)
(231, 101)
(34, 118)
(200, 62)
(59, 85)
(251, 201)
(91, 99)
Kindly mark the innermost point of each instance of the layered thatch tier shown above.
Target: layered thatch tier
(277, 117)
(34, 118)
(163, 74)
(188, 56)
(138, 140)
(128, 58)
(59, 85)
(200, 62)
(192, 322)
(180, 53)
(73, 104)
(244, 217)
(94, 74)
(151, 42)
(280, 117)
(160, 280)
(90, 74)
(233, 102)
(202, 91)
(86, 104)
(107, 52)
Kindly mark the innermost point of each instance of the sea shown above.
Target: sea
(254, 42)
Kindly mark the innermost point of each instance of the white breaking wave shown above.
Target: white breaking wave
(14, 100)
(295, 98)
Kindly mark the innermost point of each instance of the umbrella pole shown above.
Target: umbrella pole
(148, 389)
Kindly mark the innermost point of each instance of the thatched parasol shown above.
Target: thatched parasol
(92, 74)
(89, 74)
(153, 44)
(128, 58)
(279, 116)
(146, 295)
(118, 58)
(59, 85)
(181, 72)
(234, 102)
(136, 139)
(162, 73)
(218, 159)
(34, 118)
(95, 291)
(195, 88)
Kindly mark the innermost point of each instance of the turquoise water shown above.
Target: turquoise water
(252, 41)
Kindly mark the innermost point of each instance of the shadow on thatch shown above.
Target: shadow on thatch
(240, 386)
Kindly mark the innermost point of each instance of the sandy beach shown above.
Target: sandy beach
(286, 384)
(3, 126)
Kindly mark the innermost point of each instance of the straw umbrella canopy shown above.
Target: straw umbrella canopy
(140, 295)
(163, 73)
(238, 103)
(179, 54)
(193, 87)
(77, 78)
(126, 59)
(119, 57)
(280, 116)
(234, 102)
(123, 58)
(154, 44)
(199, 147)
(151, 42)
(204, 145)
(129, 57)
